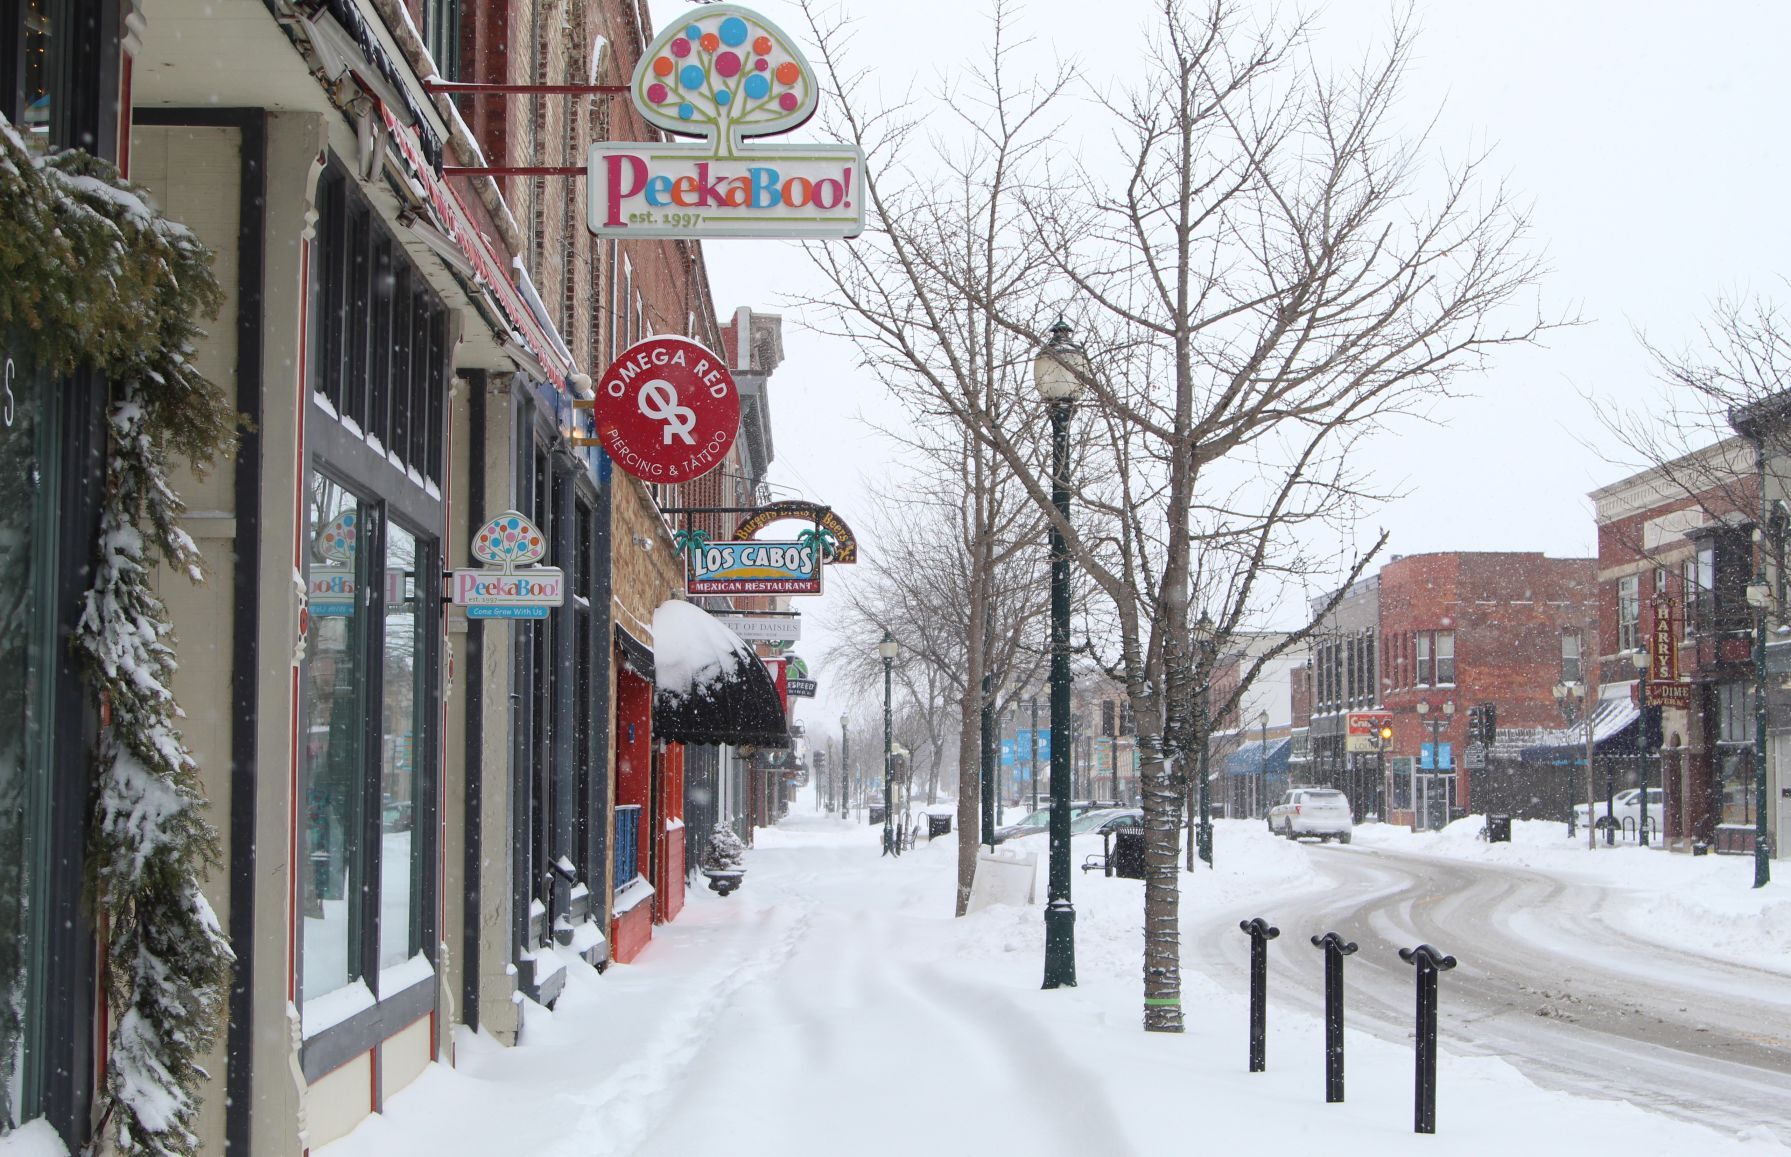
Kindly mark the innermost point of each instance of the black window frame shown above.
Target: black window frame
(387, 481)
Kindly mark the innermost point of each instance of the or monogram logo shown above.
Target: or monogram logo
(658, 400)
(10, 408)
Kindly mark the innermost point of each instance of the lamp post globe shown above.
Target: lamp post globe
(1058, 371)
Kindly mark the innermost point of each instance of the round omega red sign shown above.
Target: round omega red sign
(667, 410)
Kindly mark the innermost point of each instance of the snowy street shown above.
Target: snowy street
(1552, 977)
(834, 1004)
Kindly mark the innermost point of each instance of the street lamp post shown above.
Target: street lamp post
(887, 648)
(845, 771)
(1574, 700)
(1262, 765)
(1058, 372)
(1436, 721)
(1759, 594)
(1200, 842)
(1641, 660)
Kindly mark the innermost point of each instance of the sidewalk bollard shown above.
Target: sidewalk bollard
(1335, 949)
(1429, 962)
(1261, 932)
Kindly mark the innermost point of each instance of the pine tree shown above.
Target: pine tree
(93, 278)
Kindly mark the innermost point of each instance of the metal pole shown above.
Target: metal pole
(1260, 932)
(1032, 758)
(1204, 787)
(889, 848)
(987, 781)
(1762, 843)
(1588, 685)
(845, 775)
(1060, 913)
(1335, 949)
(1429, 962)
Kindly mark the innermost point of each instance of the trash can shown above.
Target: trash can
(1128, 855)
(876, 813)
(1498, 829)
(938, 826)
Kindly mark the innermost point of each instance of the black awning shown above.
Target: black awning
(636, 655)
(709, 687)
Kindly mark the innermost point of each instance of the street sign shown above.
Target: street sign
(802, 688)
(667, 410)
(508, 587)
(764, 630)
(1473, 757)
(725, 73)
(1676, 695)
(1363, 730)
(754, 568)
(1023, 744)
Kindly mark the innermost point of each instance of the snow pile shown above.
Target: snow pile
(692, 651)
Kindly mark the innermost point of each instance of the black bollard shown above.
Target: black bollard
(1261, 932)
(1429, 962)
(1335, 949)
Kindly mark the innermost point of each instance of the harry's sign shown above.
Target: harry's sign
(722, 74)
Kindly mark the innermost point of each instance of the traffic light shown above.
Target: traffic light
(1386, 736)
(1489, 723)
(1476, 717)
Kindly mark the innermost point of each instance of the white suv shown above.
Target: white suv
(1312, 811)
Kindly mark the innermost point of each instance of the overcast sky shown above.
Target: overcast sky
(1647, 134)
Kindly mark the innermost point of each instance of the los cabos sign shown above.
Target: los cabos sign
(722, 74)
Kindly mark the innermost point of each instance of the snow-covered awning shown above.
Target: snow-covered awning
(1254, 758)
(709, 686)
(1616, 730)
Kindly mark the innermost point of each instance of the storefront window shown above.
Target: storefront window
(400, 893)
(27, 639)
(39, 66)
(334, 680)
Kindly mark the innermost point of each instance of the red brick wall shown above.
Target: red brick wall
(1508, 612)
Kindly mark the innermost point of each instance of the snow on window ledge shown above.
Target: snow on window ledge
(332, 1008)
(399, 977)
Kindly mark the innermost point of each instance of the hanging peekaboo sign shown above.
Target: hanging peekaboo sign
(723, 74)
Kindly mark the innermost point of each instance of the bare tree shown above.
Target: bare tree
(1272, 275)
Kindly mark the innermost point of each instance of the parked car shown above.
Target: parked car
(1040, 820)
(1628, 808)
(1103, 820)
(1312, 811)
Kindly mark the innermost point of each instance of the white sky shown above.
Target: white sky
(1647, 134)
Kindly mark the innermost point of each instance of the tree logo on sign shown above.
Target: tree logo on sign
(725, 73)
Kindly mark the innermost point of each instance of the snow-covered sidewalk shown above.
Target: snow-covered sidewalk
(834, 1005)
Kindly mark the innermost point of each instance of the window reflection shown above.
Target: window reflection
(40, 79)
(25, 643)
(404, 701)
(333, 680)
